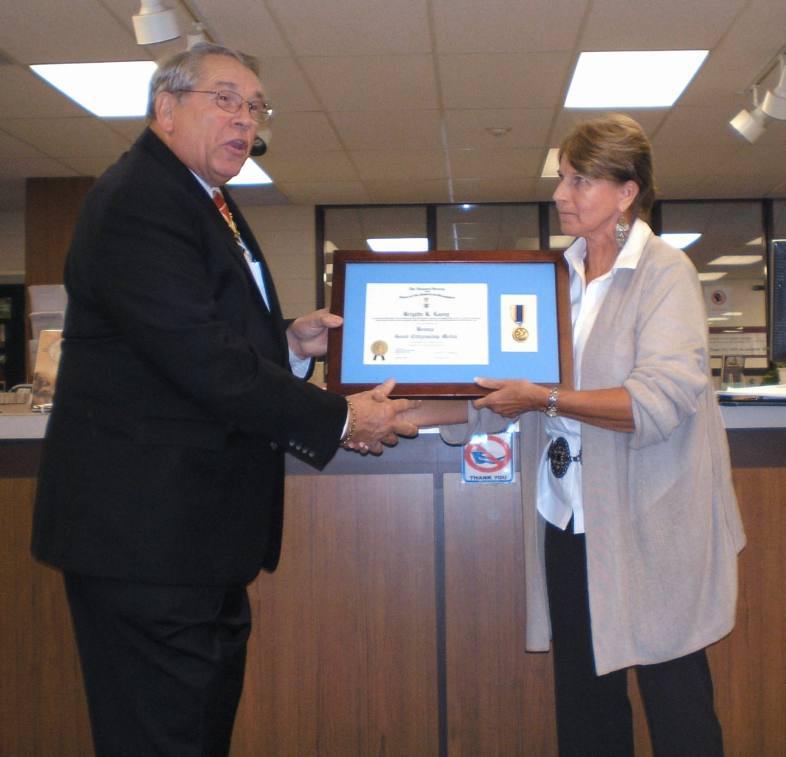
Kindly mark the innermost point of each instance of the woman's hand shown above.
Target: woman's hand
(511, 398)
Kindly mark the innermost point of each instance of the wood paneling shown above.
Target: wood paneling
(373, 597)
(499, 698)
(749, 666)
(42, 704)
(51, 210)
(343, 659)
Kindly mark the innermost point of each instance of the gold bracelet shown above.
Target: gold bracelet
(353, 420)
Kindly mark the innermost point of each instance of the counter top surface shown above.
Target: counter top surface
(18, 424)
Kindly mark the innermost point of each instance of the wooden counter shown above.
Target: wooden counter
(394, 625)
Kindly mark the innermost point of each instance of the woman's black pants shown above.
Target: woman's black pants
(593, 712)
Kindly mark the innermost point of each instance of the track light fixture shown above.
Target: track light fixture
(751, 124)
(196, 35)
(155, 22)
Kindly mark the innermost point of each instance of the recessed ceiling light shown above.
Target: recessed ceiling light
(107, 90)
(681, 240)
(399, 244)
(632, 79)
(736, 260)
(758, 242)
(712, 276)
(551, 164)
(251, 173)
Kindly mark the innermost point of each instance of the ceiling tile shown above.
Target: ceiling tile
(325, 193)
(41, 31)
(504, 80)
(130, 128)
(488, 164)
(246, 26)
(528, 127)
(354, 27)
(492, 190)
(308, 166)
(294, 132)
(22, 168)
(686, 127)
(467, 26)
(399, 164)
(648, 118)
(374, 82)
(389, 129)
(68, 137)
(287, 87)
(89, 166)
(25, 95)
(417, 190)
(11, 147)
(381, 89)
(638, 25)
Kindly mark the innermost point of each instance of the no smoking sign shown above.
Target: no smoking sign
(488, 459)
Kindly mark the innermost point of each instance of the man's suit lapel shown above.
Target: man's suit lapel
(256, 252)
(150, 142)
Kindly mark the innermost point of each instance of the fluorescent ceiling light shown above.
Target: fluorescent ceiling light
(107, 90)
(681, 240)
(399, 244)
(717, 318)
(551, 164)
(251, 173)
(632, 79)
(758, 242)
(736, 260)
(712, 276)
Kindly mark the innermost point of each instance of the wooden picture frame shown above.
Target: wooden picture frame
(436, 320)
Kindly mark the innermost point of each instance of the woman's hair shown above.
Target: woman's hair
(614, 147)
(182, 70)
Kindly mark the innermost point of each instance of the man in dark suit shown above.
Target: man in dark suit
(161, 481)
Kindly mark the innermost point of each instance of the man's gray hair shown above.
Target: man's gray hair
(182, 70)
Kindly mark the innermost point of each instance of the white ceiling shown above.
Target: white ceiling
(385, 101)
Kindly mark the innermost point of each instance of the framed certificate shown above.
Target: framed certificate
(436, 320)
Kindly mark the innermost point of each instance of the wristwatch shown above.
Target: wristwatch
(551, 404)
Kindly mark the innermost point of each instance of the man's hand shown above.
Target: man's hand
(377, 420)
(307, 335)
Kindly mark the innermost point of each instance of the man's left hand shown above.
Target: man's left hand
(307, 335)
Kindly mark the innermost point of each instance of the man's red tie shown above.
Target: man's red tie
(221, 204)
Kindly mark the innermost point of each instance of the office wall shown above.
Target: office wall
(12, 246)
(286, 233)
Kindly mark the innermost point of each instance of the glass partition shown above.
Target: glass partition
(488, 227)
(725, 241)
(351, 228)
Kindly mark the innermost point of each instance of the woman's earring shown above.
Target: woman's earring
(621, 231)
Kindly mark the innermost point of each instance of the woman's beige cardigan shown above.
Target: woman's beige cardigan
(662, 524)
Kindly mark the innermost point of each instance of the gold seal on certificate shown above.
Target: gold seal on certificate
(379, 348)
(520, 334)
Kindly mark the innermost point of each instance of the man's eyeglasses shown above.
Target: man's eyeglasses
(232, 102)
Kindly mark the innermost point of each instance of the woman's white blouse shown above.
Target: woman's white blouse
(559, 499)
